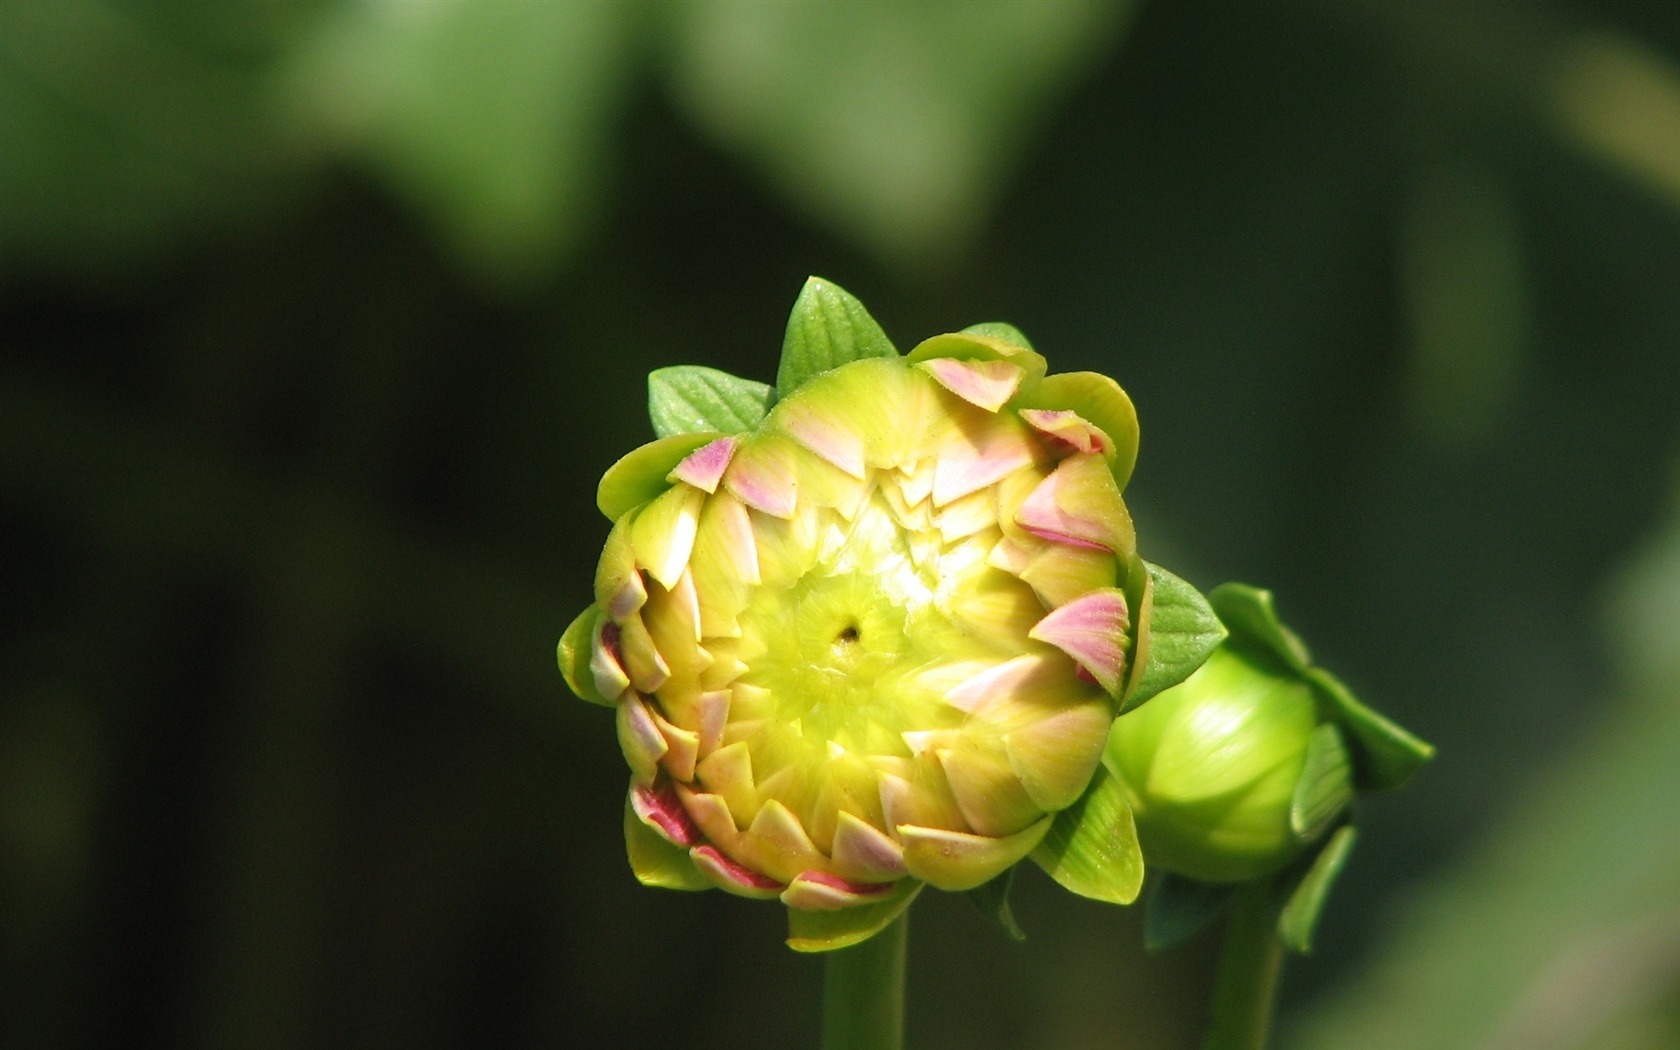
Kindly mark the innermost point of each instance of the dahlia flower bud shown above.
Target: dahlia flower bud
(1252, 763)
(868, 630)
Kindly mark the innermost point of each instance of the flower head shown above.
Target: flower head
(867, 631)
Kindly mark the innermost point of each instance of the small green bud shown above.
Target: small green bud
(1211, 767)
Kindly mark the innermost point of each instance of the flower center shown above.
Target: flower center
(837, 643)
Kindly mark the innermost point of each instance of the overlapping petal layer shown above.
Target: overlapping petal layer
(879, 638)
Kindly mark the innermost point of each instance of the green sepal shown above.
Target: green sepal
(1384, 755)
(827, 328)
(573, 654)
(1178, 908)
(992, 898)
(641, 474)
(999, 330)
(1300, 913)
(1183, 630)
(1096, 399)
(656, 861)
(1249, 615)
(691, 399)
(825, 931)
(1092, 846)
(1326, 785)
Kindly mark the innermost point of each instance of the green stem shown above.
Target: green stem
(863, 992)
(1249, 963)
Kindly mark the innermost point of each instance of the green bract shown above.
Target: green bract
(869, 630)
(1249, 767)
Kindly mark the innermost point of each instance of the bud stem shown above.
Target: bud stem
(863, 992)
(1249, 963)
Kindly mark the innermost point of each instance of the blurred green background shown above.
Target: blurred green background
(320, 319)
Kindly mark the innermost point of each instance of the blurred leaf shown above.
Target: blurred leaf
(129, 125)
(685, 399)
(491, 119)
(1462, 279)
(1301, 912)
(1570, 912)
(895, 124)
(1325, 787)
(1178, 908)
(827, 328)
(1182, 632)
(1092, 847)
(992, 898)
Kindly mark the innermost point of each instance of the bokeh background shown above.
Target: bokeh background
(320, 319)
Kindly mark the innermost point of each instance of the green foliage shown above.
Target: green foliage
(1183, 630)
(1178, 908)
(992, 898)
(827, 328)
(686, 399)
(1092, 846)
(1301, 911)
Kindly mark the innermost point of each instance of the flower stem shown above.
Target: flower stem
(1249, 963)
(863, 992)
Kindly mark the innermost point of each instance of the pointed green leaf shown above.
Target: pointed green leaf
(1092, 847)
(640, 475)
(573, 654)
(998, 330)
(1179, 908)
(1300, 914)
(828, 328)
(689, 399)
(1326, 785)
(825, 931)
(656, 861)
(992, 898)
(1384, 755)
(1248, 613)
(1183, 630)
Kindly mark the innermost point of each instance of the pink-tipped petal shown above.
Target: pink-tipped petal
(1067, 429)
(640, 657)
(703, 468)
(736, 878)
(827, 433)
(863, 850)
(713, 712)
(988, 384)
(776, 844)
(682, 747)
(660, 809)
(994, 685)
(820, 891)
(762, 476)
(1078, 504)
(639, 738)
(611, 680)
(972, 470)
(711, 815)
(1092, 630)
(955, 860)
(630, 596)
